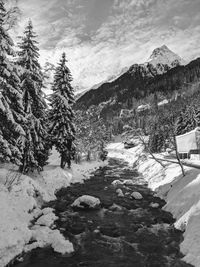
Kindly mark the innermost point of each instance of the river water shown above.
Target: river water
(124, 232)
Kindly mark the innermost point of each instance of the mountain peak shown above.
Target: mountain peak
(160, 51)
(164, 56)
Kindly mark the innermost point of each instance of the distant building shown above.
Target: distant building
(188, 144)
(125, 113)
(146, 107)
(142, 108)
(162, 103)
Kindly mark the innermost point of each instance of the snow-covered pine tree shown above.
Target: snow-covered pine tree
(91, 130)
(180, 124)
(61, 115)
(197, 115)
(11, 109)
(35, 152)
(188, 119)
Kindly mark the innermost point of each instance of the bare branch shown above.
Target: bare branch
(147, 148)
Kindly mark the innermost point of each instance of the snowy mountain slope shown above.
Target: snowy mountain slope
(96, 86)
(110, 78)
(162, 59)
(136, 82)
(163, 56)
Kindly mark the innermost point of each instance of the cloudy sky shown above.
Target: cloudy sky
(101, 37)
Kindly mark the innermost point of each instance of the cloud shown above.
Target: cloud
(101, 37)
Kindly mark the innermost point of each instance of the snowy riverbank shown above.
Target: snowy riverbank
(180, 193)
(24, 225)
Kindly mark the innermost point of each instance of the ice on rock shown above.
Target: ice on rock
(124, 182)
(48, 210)
(117, 182)
(154, 205)
(36, 213)
(128, 182)
(86, 201)
(119, 192)
(136, 195)
(47, 219)
(61, 245)
(97, 231)
(115, 207)
(44, 236)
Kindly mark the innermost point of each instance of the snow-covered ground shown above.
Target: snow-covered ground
(182, 194)
(24, 225)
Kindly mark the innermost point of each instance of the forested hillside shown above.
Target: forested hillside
(139, 82)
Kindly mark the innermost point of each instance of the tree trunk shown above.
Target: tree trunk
(21, 169)
(88, 155)
(63, 162)
(65, 158)
(23, 166)
(69, 163)
(177, 155)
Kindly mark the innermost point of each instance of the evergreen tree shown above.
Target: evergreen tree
(157, 138)
(61, 117)
(91, 130)
(11, 109)
(180, 124)
(188, 119)
(35, 152)
(197, 116)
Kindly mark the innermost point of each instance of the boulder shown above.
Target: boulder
(136, 195)
(86, 202)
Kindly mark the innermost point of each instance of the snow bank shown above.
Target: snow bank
(180, 193)
(20, 207)
(53, 178)
(22, 219)
(14, 231)
(116, 150)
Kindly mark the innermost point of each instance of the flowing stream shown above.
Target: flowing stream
(124, 232)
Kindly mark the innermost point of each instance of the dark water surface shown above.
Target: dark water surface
(128, 234)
